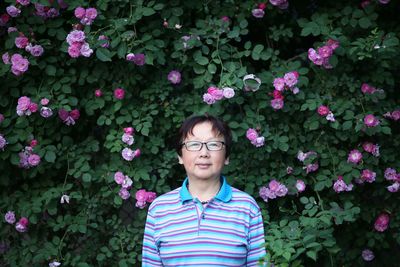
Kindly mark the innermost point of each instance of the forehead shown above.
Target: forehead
(204, 131)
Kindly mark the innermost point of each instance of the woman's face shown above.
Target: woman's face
(203, 164)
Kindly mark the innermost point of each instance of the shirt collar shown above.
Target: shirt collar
(224, 194)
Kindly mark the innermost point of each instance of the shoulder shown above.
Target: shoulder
(244, 199)
(167, 199)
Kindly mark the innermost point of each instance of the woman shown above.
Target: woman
(205, 222)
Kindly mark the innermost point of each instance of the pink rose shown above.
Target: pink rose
(79, 12)
(279, 84)
(137, 153)
(74, 114)
(274, 185)
(33, 159)
(98, 93)
(323, 110)
(21, 42)
(44, 101)
(33, 143)
(33, 107)
(300, 185)
(150, 197)
(129, 130)
(382, 222)
(371, 121)
(141, 195)
(24, 221)
(119, 93)
(119, 177)
(251, 134)
(91, 13)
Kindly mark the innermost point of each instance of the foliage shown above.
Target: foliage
(317, 227)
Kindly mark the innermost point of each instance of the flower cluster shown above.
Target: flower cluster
(87, 16)
(394, 115)
(26, 106)
(174, 77)
(341, 186)
(3, 142)
(126, 182)
(48, 12)
(21, 226)
(367, 176)
(282, 4)
(77, 44)
(354, 156)
(127, 153)
(137, 59)
(45, 111)
(326, 112)
(307, 159)
(371, 121)
(19, 64)
(28, 159)
(254, 138)
(287, 82)
(275, 189)
(382, 222)
(143, 197)
(323, 53)
(215, 94)
(22, 42)
(393, 176)
(69, 118)
(369, 89)
(259, 11)
(371, 148)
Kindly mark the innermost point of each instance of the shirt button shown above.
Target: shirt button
(203, 216)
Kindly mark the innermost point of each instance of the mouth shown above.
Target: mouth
(203, 165)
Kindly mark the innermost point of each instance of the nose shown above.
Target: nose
(204, 151)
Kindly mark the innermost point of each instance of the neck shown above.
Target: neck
(204, 190)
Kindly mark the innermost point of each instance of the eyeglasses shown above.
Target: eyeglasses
(197, 145)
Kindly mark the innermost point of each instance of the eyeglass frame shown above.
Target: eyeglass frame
(203, 143)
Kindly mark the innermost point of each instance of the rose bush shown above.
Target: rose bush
(288, 77)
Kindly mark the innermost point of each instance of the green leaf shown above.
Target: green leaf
(103, 54)
(314, 125)
(50, 156)
(201, 60)
(86, 177)
(147, 11)
(312, 254)
(347, 125)
(51, 70)
(365, 22)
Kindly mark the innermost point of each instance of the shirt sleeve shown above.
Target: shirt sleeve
(256, 249)
(150, 253)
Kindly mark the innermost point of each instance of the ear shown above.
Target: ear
(227, 161)
(180, 160)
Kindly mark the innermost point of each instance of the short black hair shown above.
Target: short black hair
(218, 126)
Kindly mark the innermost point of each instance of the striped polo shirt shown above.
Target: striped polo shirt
(179, 231)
